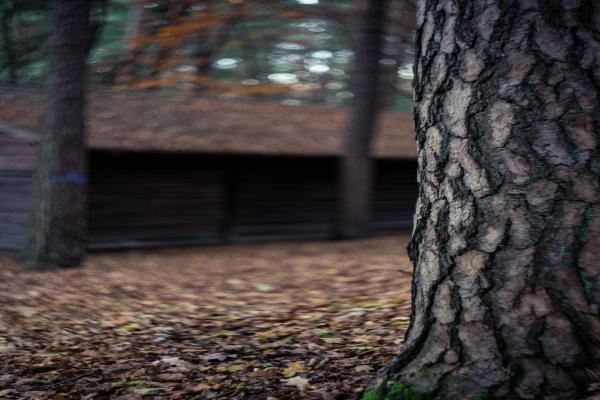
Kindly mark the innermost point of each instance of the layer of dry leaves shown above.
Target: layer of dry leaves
(303, 320)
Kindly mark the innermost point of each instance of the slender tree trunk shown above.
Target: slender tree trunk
(57, 226)
(206, 50)
(356, 169)
(135, 27)
(174, 12)
(127, 68)
(505, 247)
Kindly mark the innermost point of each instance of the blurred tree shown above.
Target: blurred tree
(397, 53)
(288, 50)
(356, 164)
(56, 230)
(19, 50)
(10, 61)
(136, 27)
(506, 289)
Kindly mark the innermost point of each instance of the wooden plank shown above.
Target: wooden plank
(14, 206)
(15, 153)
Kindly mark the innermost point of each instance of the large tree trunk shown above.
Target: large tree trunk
(56, 230)
(505, 247)
(356, 169)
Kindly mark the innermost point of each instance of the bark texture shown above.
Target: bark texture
(505, 246)
(57, 222)
(356, 170)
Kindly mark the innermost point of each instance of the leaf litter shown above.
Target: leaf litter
(298, 320)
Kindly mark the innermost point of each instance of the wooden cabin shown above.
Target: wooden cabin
(183, 170)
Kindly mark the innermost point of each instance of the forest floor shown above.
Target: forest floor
(299, 320)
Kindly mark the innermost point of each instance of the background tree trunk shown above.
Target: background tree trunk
(10, 53)
(505, 245)
(356, 170)
(57, 227)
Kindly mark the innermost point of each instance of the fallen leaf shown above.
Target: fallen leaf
(135, 384)
(132, 327)
(147, 391)
(217, 357)
(224, 333)
(298, 381)
(26, 312)
(293, 369)
(200, 387)
(174, 362)
(263, 287)
(332, 340)
(265, 373)
(362, 368)
(231, 368)
(176, 377)
(364, 339)
(6, 347)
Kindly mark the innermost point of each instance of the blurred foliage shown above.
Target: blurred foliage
(295, 51)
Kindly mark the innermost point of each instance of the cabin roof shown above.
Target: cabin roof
(140, 121)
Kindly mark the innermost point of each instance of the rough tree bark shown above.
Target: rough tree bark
(57, 222)
(505, 247)
(356, 167)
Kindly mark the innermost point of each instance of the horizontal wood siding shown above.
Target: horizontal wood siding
(15, 154)
(139, 200)
(16, 163)
(158, 199)
(15, 189)
(284, 198)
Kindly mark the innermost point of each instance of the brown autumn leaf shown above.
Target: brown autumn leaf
(200, 387)
(232, 368)
(293, 369)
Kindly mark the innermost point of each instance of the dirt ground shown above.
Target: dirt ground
(300, 320)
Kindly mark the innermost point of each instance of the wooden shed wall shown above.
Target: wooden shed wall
(15, 154)
(16, 159)
(141, 199)
(283, 198)
(154, 199)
